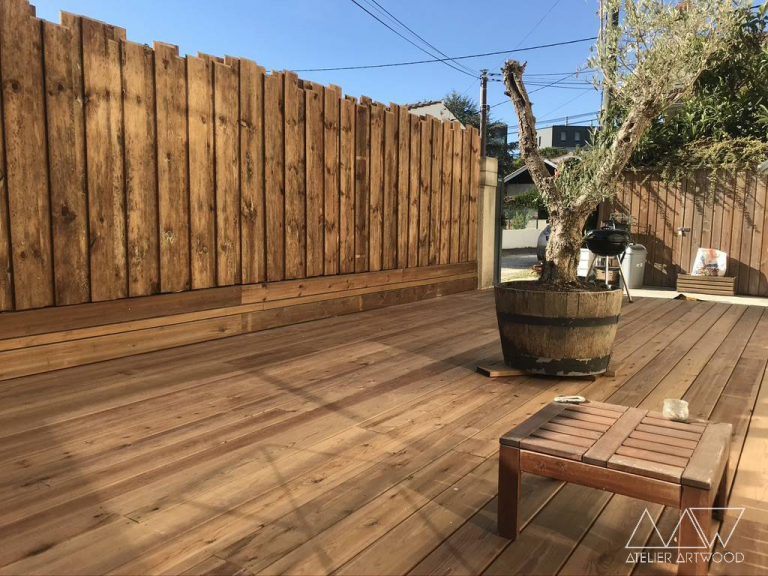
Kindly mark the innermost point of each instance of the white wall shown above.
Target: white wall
(525, 238)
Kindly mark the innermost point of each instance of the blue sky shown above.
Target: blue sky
(296, 34)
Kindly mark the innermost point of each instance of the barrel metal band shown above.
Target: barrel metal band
(554, 321)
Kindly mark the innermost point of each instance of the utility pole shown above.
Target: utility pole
(483, 112)
(609, 22)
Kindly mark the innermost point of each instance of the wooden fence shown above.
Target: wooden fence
(131, 171)
(149, 200)
(724, 210)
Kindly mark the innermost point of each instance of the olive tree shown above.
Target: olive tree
(650, 61)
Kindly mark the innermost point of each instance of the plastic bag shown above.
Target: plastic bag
(710, 262)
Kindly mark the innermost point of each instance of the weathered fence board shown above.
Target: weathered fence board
(252, 172)
(63, 85)
(173, 193)
(140, 169)
(331, 96)
(104, 135)
(725, 210)
(202, 184)
(25, 162)
(227, 161)
(131, 171)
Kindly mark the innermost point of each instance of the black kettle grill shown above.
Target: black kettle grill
(607, 241)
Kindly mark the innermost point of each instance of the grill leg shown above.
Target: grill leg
(624, 280)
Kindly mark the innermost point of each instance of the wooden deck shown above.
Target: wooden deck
(363, 444)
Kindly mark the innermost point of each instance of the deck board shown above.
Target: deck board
(327, 446)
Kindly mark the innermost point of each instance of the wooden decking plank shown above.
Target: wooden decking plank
(415, 537)
(545, 542)
(342, 396)
(442, 439)
(320, 456)
(644, 381)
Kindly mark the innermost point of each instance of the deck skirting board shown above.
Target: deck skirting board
(118, 329)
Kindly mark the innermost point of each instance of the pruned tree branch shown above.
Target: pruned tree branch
(513, 79)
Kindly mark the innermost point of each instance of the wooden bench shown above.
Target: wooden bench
(623, 450)
(717, 285)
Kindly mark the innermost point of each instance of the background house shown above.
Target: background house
(436, 108)
(567, 137)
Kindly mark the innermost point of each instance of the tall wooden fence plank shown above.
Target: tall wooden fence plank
(403, 183)
(466, 171)
(104, 136)
(202, 182)
(226, 96)
(473, 192)
(331, 113)
(295, 223)
(376, 176)
(362, 183)
(389, 201)
(274, 174)
(6, 273)
(446, 174)
(140, 170)
(436, 152)
(252, 172)
(25, 145)
(456, 194)
(347, 187)
(425, 176)
(69, 213)
(173, 193)
(756, 257)
(414, 192)
(315, 183)
(762, 289)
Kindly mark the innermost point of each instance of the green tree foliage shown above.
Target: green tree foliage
(725, 121)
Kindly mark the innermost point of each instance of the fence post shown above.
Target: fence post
(487, 222)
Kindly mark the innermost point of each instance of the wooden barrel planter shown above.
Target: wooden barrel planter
(557, 333)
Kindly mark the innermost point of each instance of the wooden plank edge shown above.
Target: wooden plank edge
(157, 321)
(18, 324)
(67, 354)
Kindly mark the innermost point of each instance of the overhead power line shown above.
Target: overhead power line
(420, 37)
(535, 26)
(383, 23)
(453, 58)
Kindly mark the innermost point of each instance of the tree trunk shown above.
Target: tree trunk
(563, 249)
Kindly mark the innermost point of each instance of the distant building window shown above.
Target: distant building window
(539, 141)
(563, 136)
(577, 136)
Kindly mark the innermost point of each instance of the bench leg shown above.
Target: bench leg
(721, 497)
(690, 544)
(509, 491)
